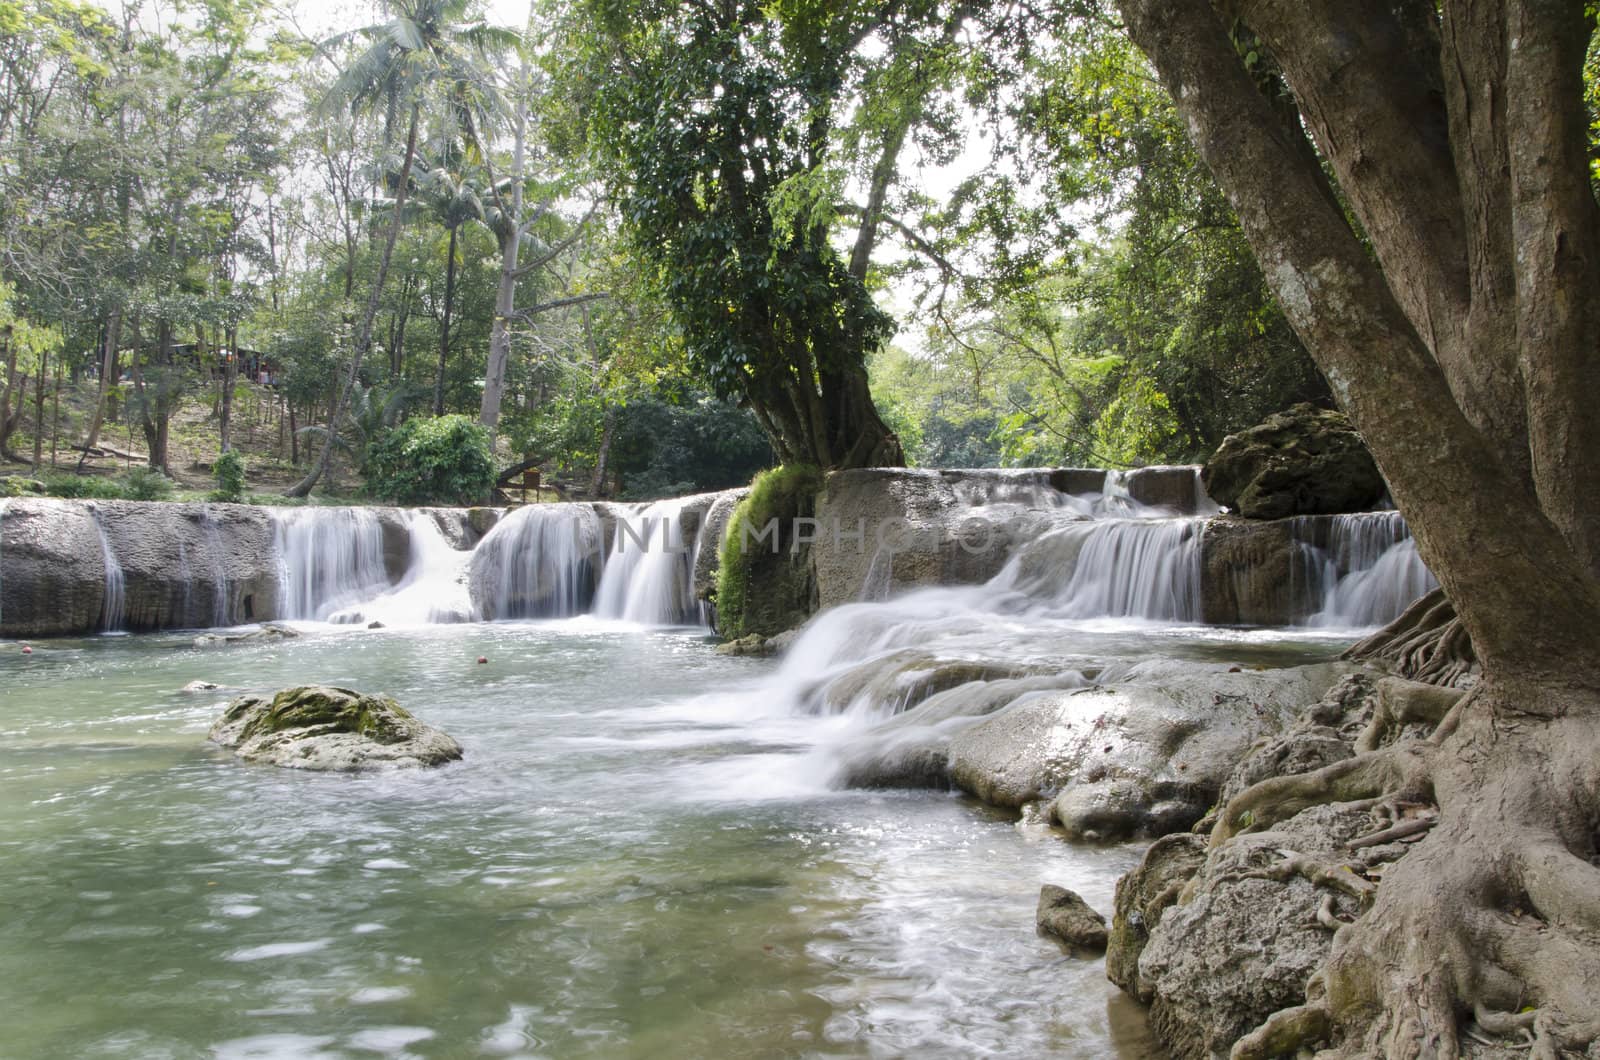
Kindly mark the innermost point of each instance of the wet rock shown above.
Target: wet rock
(881, 531)
(269, 631)
(325, 728)
(1143, 895)
(1064, 915)
(1147, 752)
(182, 565)
(51, 568)
(200, 686)
(481, 520)
(754, 644)
(1175, 487)
(1305, 461)
(1250, 573)
(1236, 948)
(713, 527)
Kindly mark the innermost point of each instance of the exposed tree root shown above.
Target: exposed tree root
(1319, 873)
(1284, 1032)
(1401, 702)
(1426, 643)
(1398, 770)
(1493, 912)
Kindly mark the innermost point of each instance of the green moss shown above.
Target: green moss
(759, 592)
(328, 709)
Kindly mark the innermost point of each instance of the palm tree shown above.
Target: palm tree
(451, 199)
(426, 43)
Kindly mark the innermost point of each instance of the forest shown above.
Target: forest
(226, 229)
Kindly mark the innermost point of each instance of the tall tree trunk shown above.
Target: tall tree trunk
(38, 410)
(230, 374)
(505, 301)
(1462, 342)
(108, 369)
(444, 325)
(364, 337)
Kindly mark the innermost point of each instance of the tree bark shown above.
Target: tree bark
(108, 368)
(1458, 337)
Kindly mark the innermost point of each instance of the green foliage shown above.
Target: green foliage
(667, 448)
(435, 460)
(146, 484)
(753, 585)
(137, 484)
(229, 474)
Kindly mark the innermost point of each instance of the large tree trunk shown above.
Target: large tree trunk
(505, 301)
(1462, 341)
(364, 336)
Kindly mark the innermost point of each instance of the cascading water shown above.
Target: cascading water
(649, 574)
(329, 559)
(537, 562)
(1367, 571)
(1120, 568)
(113, 603)
(434, 589)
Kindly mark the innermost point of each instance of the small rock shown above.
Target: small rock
(268, 631)
(1068, 917)
(200, 686)
(754, 644)
(376, 625)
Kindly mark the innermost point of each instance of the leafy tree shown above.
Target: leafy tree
(717, 125)
(437, 460)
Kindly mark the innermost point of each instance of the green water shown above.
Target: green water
(624, 865)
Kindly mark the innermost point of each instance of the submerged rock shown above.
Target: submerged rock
(200, 686)
(1305, 461)
(1066, 916)
(269, 631)
(326, 728)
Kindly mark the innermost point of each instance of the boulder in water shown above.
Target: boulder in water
(1305, 461)
(1145, 753)
(1066, 916)
(325, 728)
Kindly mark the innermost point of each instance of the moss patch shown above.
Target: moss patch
(759, 591)
(326, 709)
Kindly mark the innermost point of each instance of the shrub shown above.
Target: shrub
(146, 484)
(229, 473)
(439, 460)
(90, 487)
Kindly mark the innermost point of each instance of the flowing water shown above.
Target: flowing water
(624, 865)
(644, 852)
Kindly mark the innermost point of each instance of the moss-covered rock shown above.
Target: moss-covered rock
(765, 584)
(326, 728)
(1305, 461)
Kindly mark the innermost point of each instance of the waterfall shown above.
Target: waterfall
(329, 559)
(113, 602)
(433, 590)
(649, 574)
(1120, 568)
(1367, 571)
(537, 562)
